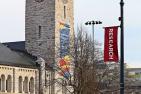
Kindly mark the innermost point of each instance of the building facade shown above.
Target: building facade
(26, 66)
(44, 20)
(17, 80)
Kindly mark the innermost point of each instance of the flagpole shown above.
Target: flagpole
(122, 48)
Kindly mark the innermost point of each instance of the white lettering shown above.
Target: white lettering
(111, 53)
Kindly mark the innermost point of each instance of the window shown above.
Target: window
(3, 83)
(39, 34)
(20, 84)
(31, 85)
(64, 12)
(25, 85)
(9, 83)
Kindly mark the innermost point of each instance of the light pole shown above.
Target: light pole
(122, 47)
(93, 23)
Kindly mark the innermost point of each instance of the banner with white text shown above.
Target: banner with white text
(111, 44)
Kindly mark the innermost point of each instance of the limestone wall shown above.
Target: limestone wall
(10, 83)
(39, 28)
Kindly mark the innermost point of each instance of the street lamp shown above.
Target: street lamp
(122, 48)
(93, 23)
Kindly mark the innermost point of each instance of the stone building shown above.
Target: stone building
(25, 66)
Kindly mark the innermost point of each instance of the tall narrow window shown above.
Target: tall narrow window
(64, 12)
(9, 83)
(39, 34)
(25, 85)
(3, 83)
(20, 84)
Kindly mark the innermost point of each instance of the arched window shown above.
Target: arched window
(3, 83)
(20, 84)
(31, 85)
(9, 83)
(25, 85)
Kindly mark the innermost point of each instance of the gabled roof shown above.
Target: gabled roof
(16, 56)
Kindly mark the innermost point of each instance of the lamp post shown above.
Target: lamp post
(122, 48)
(93, 23)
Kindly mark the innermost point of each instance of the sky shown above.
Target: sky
(12, 22)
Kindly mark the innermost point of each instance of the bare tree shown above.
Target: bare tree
(83, 77)
(89, 75)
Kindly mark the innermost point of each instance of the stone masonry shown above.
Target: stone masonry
(42, 26)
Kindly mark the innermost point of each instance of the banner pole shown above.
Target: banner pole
(122, 48)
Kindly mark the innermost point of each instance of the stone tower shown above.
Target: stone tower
(44, 19)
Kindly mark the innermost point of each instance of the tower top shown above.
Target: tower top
(43, 24)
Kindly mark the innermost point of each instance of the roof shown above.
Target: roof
(18, 46)
(15, 55)
(134, 69)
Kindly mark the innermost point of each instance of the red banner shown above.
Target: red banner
(111, 44)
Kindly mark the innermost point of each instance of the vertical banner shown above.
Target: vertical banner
(64, 65)
(111, 44)
(64, 39)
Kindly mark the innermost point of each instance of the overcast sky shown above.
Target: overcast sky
(12, 22)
